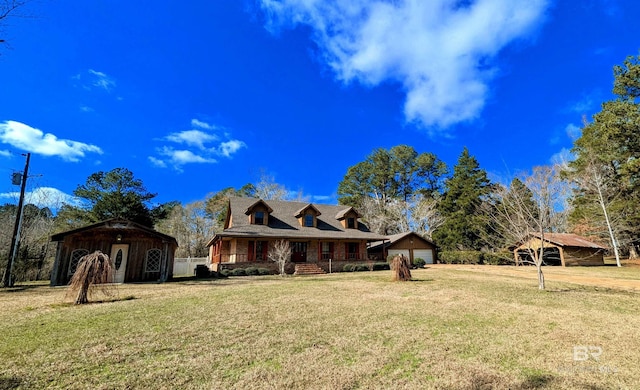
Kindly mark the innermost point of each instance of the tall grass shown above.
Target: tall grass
(446, 329)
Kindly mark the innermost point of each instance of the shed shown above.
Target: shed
(410, 244)
(139, 253)
(562, 249)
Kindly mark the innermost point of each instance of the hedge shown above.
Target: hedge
(475, 257)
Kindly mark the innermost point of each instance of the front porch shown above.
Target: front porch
(236, 250)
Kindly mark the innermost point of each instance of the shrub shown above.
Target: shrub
(499, 258)
(251, 271)
(239, 272)
(381, 266)
(419, 263)
(349, 268)
(289, 268)
(361, 267)
(263, 271)
(225, 273)
(460, 257)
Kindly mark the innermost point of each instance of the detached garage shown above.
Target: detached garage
(410, 244)
(561, 249)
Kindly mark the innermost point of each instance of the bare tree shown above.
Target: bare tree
(191, 227)
(280, 253)
(94, 271)
(384, 216)
(268, 189)
(527, 209)
(595, 179)
(425, 215)
(8, 8)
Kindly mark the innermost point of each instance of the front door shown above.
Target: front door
(299, 252)
(119, 255)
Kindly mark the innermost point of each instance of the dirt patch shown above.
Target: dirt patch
(551, 274)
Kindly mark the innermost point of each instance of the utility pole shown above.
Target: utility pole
(15, 239)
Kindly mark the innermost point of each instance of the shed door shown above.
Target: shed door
(424, 254)
(119, 255)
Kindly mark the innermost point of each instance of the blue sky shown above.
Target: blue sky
(197, 96)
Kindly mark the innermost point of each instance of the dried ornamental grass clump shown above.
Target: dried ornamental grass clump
(94, 271)
(401, 268)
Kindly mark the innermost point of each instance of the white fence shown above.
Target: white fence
(185, 266)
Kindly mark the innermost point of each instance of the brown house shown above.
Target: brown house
(410, 244)
(139, 253)
(562, 249)
(316, 233)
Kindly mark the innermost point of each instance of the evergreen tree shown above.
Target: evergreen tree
(389, 184)
(114, 194)
(464, 224)
(609, 150)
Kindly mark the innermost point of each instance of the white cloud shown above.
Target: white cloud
(36, 141)
(573, 132)
(157, 162)
(181, 157)
(5, 153)
(439, 50)
(91, 79)
(562, 158)
(202, 125)
(86, 109)
(101, 80)
(198, 147)
(228, 148)
(192, 138)
(49, 197)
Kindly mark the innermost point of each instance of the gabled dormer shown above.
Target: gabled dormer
(259, 213)
(349, 218)
(308, 216)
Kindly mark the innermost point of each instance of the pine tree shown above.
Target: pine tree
(464, 223)
(609, 150)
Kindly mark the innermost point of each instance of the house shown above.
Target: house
(410, 244)
(562, 249)
(317, 233)
(139, 253)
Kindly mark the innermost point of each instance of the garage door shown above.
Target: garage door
(393, 252)
(424, 254)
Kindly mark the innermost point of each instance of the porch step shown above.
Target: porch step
(308, 269)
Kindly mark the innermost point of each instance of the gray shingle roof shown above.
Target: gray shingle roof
(284, 224)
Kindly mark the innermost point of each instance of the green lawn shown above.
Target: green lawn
(448, 329)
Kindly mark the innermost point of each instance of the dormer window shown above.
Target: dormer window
(308, 220)
(349, 218)
(308, 216)
(259, 213)
(351, 223)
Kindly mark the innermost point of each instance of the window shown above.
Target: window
(352, 251)
(351, 223)
(326, 251)
(308, 220)
(258, 218)
(152, 263)
(261, 250)
(76, 255)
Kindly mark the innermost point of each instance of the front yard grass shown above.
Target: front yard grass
(448, 329)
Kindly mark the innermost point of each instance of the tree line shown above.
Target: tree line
(397, 190)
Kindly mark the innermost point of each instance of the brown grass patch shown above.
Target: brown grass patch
(450, 329)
